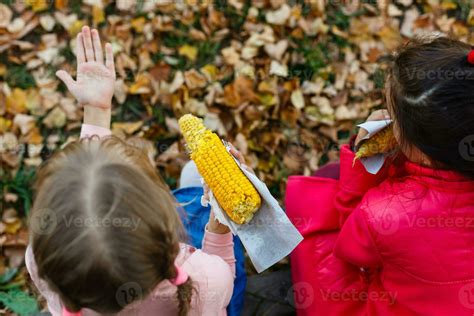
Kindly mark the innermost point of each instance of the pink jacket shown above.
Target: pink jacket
(398, 243)
(212, 270)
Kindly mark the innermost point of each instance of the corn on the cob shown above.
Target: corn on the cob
(235, 193)
(382, 142)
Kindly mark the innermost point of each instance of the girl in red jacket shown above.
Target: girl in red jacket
(400, 242)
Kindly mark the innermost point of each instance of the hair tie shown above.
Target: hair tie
(68, 313)
(181, 276)
(470, 57)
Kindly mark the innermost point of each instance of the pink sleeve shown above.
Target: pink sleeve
(88, 130)
(52, 299)
(355, 243)
(221, 245)
(354, 182)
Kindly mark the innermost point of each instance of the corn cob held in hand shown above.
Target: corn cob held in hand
(381, 143)
(233, 190)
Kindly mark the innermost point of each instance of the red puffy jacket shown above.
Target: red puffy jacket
(397, 243)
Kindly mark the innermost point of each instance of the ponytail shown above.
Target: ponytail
(184, 295)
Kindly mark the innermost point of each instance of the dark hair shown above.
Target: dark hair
(105, 267)
(431, 97)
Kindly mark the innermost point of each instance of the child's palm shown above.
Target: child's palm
(94, 85)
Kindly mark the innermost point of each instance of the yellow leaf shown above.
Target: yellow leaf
(459, 29)
(38, 5)
(13, 227)
(449, 5)
(210, 71)
(138, 24)
(76, 27)
(188, 51)
(141, 85)
(390, 37)
(60, 4)
(98, 15)
(126, 127)
(16, 101)
(3, 69)
(5, 125)
(268, 99)
(34, 137)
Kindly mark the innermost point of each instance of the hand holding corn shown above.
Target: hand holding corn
(382, 142)
(233, 190)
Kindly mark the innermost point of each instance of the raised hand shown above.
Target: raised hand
(94, 85)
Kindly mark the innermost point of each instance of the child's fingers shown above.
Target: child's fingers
(99, 56)
(66, 78)
(109, 57)
(379, 115)
(86, 34)
(237, 154)
(80, 54)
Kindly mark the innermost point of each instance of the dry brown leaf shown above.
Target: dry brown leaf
(24, 122)
(278, 69)
(194, 79)
(231, 57)
(297, 99)
(5, 15)
(277, 50)
(280, 16)
(238, 92)
(56, 118)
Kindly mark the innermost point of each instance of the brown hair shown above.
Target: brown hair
(431, 96)
(113, 231)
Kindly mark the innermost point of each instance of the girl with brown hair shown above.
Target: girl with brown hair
(105, 233)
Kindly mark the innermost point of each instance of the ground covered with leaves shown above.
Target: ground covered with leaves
(285, 81)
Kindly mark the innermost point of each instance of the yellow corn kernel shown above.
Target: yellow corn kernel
(235, 193)
(381, 143)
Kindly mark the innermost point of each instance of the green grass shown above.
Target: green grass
(21, 184)
(19, 76)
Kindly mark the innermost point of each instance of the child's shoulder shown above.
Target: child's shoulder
(392, 198)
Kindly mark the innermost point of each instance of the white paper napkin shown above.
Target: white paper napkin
(269, 236)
